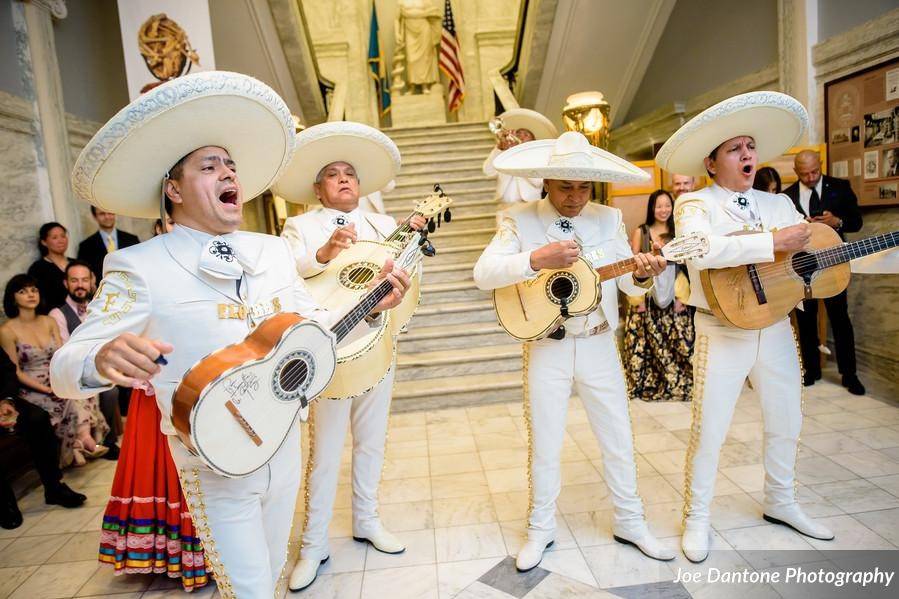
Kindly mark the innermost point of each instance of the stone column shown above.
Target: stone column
(33, 20)
(797, 25)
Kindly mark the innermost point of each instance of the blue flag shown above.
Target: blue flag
(376, 64)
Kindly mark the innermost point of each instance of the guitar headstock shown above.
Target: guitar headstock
(434, 204)
(684, 247)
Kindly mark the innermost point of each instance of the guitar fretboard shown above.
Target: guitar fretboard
(845, 252)
(616, 269)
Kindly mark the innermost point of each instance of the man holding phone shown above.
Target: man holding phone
(831, 201)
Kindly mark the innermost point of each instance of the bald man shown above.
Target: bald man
(831, 201)
(682, 184)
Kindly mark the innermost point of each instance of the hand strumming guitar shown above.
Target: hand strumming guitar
(792, 238)
(399, 278)
(340, 239)
(558, 254)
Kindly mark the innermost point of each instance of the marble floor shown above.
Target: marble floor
(455, 490)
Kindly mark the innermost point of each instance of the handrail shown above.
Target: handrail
(510, 71)
(502, 93)
(325, 86)
(337, 107)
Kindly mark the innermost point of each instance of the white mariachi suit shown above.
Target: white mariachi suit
(585, 361)
(726, 356)
(162, 289)
(367, 414)
(510, 189)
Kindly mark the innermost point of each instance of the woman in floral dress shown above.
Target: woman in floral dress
(30, 340)
(659, 335)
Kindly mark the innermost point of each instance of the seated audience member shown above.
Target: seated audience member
(80, 290)
(32, 425)
(767, 179)
(50, 269)
(30, 341)
(106, 240)
(658, 339)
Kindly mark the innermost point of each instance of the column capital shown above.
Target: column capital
(57, 8)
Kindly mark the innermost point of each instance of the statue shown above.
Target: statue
(418, 27)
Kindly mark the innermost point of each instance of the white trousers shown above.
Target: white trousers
(367, 416)
(244, 523)
(768, 357)
(590, 367)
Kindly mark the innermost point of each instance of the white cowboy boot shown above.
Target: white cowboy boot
(382, 540)
(695, 541)
(530, 554)
(647, 543)
(304, 573)
(792, 515)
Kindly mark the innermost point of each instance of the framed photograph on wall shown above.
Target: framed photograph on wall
(861, 114)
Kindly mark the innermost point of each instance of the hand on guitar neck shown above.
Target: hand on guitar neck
(792, 238)
(343, 237)
(399, 278)
(562, 254)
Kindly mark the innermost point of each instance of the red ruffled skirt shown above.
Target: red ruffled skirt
(147, 527)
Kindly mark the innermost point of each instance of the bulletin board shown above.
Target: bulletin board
(861, 114)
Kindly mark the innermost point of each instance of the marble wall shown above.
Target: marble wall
(874, 306)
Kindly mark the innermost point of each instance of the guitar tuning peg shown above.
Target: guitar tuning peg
(438, 190)
(438, 220)
(447, 215)
(428, 249)
(431, 226)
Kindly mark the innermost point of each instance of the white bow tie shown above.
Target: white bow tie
(219, 259)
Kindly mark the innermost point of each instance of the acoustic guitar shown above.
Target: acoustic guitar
(534, 308)
(754, 296)
(363, 363)
(235, 407)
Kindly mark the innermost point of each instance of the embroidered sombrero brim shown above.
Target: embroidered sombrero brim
(774, 120)
(122, 167)
(533, 121)
(372, 154)
(536, 159)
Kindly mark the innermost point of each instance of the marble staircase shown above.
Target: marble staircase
(454, 353)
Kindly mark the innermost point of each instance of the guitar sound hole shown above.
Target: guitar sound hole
(805, 265)
(357, 276)
(562, 288)
(293, 375)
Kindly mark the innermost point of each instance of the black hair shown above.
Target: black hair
(44, 232)
(15, 285)
(764, 177)
(651, 210)
(174, 174)
(73, 263)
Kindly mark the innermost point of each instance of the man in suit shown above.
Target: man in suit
(831, 201)
(106, 240)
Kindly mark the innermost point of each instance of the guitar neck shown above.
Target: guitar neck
(371, 299)
(616, 269)
(399, 234)
(845, 252)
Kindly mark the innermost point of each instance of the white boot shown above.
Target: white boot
(304, 573)
(793, 516)
(695, 541)
(530, 554)
(647, 543)
(382, 540)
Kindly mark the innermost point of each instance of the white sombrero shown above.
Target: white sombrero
(568, 158)
(373, 155)
(533, 121)
(122, 167)
(774, 120)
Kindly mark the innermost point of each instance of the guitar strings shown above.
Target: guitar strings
(833, 252)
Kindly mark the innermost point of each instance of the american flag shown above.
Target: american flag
(450, 62)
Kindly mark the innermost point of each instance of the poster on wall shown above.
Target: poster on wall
(862, 119)
(164, 39)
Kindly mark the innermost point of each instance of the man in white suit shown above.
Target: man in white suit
(727, 141)
(583, 355)
(334, 164)
(197, 289)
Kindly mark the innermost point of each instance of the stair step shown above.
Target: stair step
(458, 208)
(467, 137)
(471, 146)
(454, 313)
(452, 291)
(449, 272)
(456, 391)
(450, 336)
(460, 196)
(458, 362)
(434, 130)
(438, 161)
(429, 168)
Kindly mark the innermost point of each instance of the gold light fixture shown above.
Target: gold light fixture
(588, 113)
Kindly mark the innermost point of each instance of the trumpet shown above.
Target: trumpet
(502, 134)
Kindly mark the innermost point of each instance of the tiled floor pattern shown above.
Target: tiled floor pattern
(455, 490)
